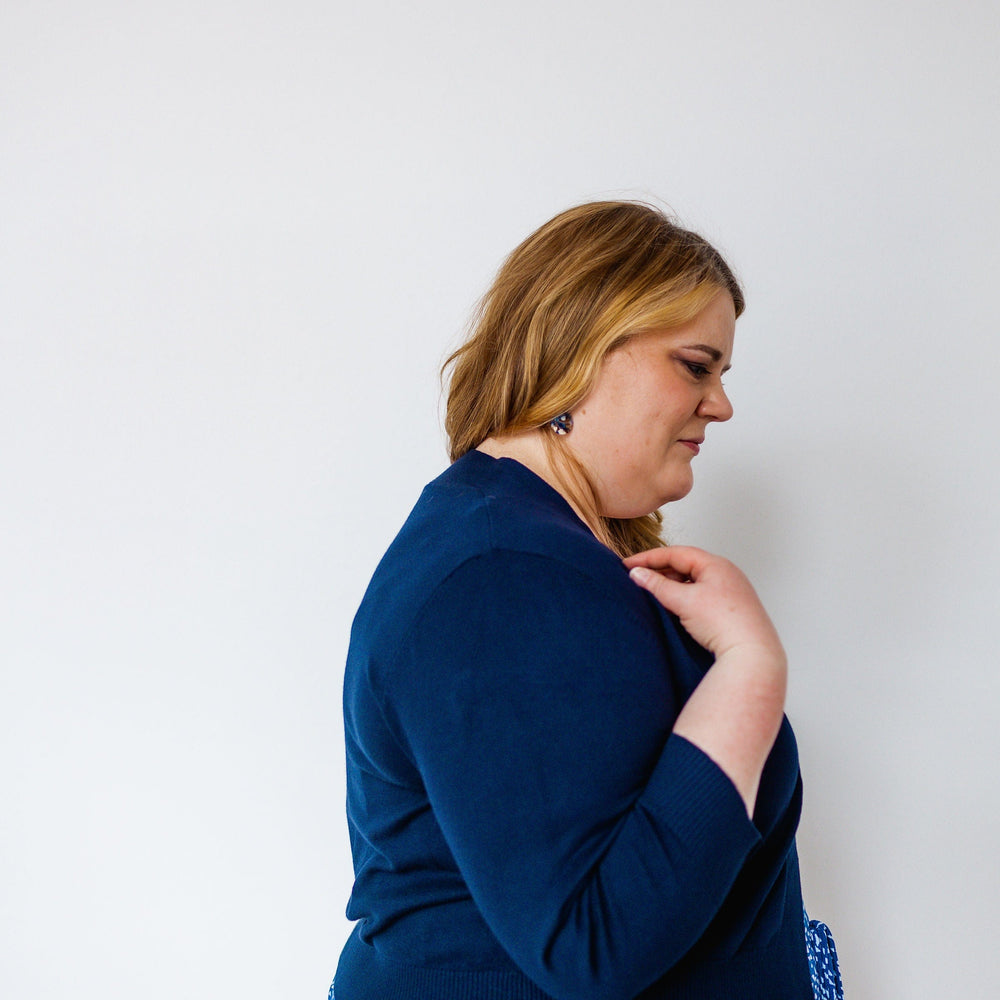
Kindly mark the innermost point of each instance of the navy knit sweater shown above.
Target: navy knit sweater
(524, 824)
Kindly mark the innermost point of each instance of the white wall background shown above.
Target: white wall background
(236, 239)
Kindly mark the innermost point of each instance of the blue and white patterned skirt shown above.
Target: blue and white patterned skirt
(823, 965)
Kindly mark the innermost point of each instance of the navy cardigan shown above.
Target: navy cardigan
(523, 822)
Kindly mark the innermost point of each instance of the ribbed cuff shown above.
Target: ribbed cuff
(696, 800)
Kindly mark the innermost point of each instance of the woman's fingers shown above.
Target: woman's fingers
(666, 586)
(713, 600)
(679, 561)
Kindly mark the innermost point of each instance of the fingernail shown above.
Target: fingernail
(640, 574)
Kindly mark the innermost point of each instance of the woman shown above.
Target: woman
(569, 773)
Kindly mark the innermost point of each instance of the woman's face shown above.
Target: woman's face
(640, 427)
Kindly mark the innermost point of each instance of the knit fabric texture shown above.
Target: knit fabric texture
(524, 824)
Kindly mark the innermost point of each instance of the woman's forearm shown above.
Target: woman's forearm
(735, 713)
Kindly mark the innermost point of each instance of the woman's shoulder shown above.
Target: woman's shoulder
(482, 521)
(493, 563)
(497, 508)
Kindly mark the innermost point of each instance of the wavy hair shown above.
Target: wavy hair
(575, 289)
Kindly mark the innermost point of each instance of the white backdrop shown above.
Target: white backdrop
(236, 241)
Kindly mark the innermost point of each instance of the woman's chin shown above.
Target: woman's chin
(651, 504)
(678, 491)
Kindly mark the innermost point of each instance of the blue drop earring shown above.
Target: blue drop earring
(562, 424)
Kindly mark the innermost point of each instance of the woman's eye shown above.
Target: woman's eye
(697, 370)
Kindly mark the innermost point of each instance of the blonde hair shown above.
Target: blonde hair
(574, 290)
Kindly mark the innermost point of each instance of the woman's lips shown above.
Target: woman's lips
(695, 446)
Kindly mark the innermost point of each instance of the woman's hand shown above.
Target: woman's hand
(712, 598)
(734, 714)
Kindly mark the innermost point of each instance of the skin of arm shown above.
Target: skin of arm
(735, 713)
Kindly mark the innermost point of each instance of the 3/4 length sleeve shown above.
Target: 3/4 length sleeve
(537, 708)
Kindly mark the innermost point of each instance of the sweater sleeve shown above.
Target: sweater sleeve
(537, 708)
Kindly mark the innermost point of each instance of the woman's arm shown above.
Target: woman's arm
(538, 709)
(734, 714)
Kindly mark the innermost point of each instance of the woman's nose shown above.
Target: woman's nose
(716, 405)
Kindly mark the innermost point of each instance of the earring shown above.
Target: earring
(562, 424)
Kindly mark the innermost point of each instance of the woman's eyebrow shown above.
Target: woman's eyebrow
(713, 352)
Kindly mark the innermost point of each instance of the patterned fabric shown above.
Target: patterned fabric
(823, 965)
(330, 995)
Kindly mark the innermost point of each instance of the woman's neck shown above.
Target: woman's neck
(529, 450)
